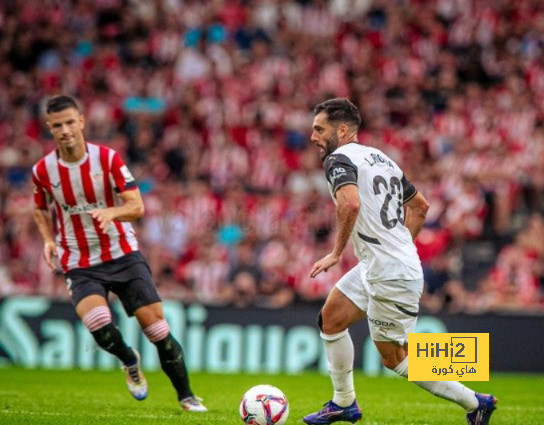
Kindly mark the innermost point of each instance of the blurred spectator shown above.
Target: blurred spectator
(514, 283)
(206, 274)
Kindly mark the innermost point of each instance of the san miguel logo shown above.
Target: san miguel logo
(81, 209)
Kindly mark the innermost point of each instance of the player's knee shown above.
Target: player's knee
(97, 318)
(157, 331)
(333, 324)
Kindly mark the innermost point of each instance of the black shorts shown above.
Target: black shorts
(129, 277)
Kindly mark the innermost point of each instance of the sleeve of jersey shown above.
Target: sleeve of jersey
(340, 171)
(40, 194)
(121, 175)
(408, 190)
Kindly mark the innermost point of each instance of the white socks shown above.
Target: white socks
(340, 355)
(449, 390)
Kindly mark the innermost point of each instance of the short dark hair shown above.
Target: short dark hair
(60, 103)
(340, 110)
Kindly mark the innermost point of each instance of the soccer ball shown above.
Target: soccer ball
(264, 405)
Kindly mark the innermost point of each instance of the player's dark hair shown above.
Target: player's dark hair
(340, 110)
(60, 103)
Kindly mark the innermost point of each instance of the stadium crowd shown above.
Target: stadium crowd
(210, 102)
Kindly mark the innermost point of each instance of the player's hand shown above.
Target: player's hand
(50, 251)
(324, 264)
(103, 216)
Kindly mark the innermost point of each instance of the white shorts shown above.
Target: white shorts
(391, 306)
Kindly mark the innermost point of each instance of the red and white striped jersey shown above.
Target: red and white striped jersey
(75, 188)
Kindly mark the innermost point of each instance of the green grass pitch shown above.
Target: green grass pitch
(100, 398)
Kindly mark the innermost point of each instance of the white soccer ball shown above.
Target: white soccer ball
(264, 405)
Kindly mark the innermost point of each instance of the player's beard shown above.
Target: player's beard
(331, 144)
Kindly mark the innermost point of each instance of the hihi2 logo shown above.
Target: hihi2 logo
(448, 357)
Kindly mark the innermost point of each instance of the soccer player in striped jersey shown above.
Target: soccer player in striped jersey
(95, 198)
(382, 212)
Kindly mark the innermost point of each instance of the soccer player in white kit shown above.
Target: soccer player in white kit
(382, 212)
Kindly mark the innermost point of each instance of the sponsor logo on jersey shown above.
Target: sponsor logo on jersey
(80, 209)
(337, 173)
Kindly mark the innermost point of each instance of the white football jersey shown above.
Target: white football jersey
(380, 240)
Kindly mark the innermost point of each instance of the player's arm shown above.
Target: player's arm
(342, 175)
(131, 209)
(42, 218)
(347, 208)
(415, 207)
